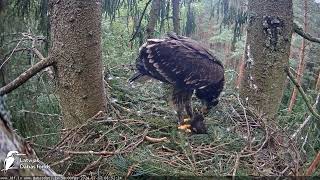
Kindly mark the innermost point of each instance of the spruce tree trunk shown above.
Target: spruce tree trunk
(318, 83)
(3, 69)
(241, 67)
(154, 14)
(76, 47)
(266, 54)
(176, 16)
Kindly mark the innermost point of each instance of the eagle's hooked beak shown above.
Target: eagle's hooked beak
(204, 110)
(208, 105)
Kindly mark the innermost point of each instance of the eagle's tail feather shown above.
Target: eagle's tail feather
(135, 77)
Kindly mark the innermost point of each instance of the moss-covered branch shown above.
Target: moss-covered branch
(33, 70)
(303, 34)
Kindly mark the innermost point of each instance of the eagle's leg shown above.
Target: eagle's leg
(181, 100)
(177, 101)
(179, 110)
(188, 106)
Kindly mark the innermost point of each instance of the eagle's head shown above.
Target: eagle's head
(208, 104)
(197, 124)
(209, 96)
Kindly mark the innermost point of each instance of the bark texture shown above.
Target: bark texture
(2, 69)
(318, 83)
(76, 48)
(154, 14)
(266, 54)
(176, 16)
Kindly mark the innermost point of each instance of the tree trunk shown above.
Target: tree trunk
(2, 70)
(76, 47)
(154, 14)
(301, 62)
(318, 82)
(240, 72)
(266, 54)
(176, 16)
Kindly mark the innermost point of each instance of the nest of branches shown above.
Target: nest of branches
(139, 136)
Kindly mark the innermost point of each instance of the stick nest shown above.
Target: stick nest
(139, 136)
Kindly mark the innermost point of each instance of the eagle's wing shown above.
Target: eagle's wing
(183, 62)
(145, 63)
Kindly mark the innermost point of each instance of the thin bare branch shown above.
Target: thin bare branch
(139, 25)
(11, 53)
(38, 53)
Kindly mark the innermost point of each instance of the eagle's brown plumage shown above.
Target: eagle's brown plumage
(186, 65)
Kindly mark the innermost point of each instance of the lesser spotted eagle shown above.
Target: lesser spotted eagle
(187, 66)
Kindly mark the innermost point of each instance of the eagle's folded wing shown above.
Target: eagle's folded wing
(184, 63)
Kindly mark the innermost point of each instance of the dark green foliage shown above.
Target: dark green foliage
(233, 15)
(190, 23)
(33, 9)
(164, 13)
(44, 25)
(3, 4)
(111, 8)
(23, 7)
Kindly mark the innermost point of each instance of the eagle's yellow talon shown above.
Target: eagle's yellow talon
(186, 119)
(184, 126)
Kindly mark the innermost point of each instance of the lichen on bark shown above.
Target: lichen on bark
(267, 54)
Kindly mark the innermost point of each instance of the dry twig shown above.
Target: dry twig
(156, 140)
(314, 165)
